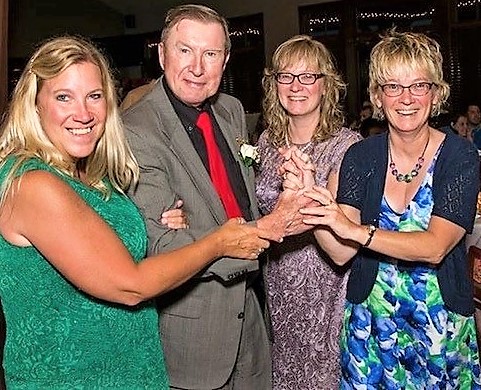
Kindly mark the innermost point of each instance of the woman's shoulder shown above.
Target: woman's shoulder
(458, 147)
(264, 140)
(22, 165)
(346, 132)
(345, 136)
(372, 144)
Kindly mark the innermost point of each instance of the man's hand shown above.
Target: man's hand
(285, 219)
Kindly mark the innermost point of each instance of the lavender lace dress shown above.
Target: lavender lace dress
(305, 290)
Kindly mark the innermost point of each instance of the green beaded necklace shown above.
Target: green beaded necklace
(407, 177)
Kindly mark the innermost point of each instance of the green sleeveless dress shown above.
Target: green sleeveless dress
(61, 338)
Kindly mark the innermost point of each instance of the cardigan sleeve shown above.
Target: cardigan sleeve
(362, 174)
(352, 178)
(456, 183)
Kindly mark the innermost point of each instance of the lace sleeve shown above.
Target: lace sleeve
(352, 178)
(456, 185)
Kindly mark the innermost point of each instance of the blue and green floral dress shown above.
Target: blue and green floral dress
(403, 336)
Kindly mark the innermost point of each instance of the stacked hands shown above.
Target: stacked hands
(301, 206)
(318, 206)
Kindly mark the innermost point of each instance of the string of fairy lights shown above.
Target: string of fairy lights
(468, 3)
(363, 16)
(389, 15)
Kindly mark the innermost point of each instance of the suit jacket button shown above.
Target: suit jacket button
(240, 316)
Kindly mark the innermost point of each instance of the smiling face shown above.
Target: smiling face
(193, 58)
(407, 113)
(301, 100)
(72, 109)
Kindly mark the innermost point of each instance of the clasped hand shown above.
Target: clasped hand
(298, 170)
(320, 209)
(298, 174)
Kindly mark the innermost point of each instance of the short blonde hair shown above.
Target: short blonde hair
(412, 51)
(302, 48)
(22, 133)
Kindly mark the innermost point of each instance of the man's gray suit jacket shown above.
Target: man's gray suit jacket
(201, 321)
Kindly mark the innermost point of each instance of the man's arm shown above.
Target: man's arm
(158, 191)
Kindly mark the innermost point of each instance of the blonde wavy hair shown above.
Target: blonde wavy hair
(302, 48)
(22, 134)
(412, 52)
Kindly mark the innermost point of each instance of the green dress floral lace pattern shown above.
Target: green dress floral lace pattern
(61, 338)
(403, 336)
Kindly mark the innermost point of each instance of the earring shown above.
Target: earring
(379, 114)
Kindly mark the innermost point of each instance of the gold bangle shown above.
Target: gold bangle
(371, 229)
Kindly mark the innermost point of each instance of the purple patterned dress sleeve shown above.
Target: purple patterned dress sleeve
(268, 182)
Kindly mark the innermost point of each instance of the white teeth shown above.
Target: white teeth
(80, 131)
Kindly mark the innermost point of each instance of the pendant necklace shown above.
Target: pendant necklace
(407, 177)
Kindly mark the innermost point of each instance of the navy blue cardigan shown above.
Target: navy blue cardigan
(455, 189)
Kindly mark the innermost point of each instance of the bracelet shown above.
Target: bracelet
(371, 229)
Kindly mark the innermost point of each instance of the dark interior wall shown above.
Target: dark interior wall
(34, 20)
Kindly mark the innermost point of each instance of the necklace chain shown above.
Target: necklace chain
(301, 149)
(407, 177)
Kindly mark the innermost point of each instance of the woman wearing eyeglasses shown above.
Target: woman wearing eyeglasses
(405, 202)
(305, 290)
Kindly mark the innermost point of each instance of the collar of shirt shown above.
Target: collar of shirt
(187, 114)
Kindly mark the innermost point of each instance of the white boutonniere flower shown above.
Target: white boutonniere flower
(249, 154)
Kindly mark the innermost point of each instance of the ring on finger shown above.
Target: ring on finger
(284, 176)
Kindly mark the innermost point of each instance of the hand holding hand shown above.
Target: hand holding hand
(240, 240)
(298, 171)
(175, 218)
(325, 211)
(285, 219)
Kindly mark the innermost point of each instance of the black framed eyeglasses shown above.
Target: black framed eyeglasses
(416, 89)
(304, 78)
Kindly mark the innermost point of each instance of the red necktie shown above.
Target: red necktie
(218, 173)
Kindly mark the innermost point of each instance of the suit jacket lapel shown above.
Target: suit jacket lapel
(182, 148)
